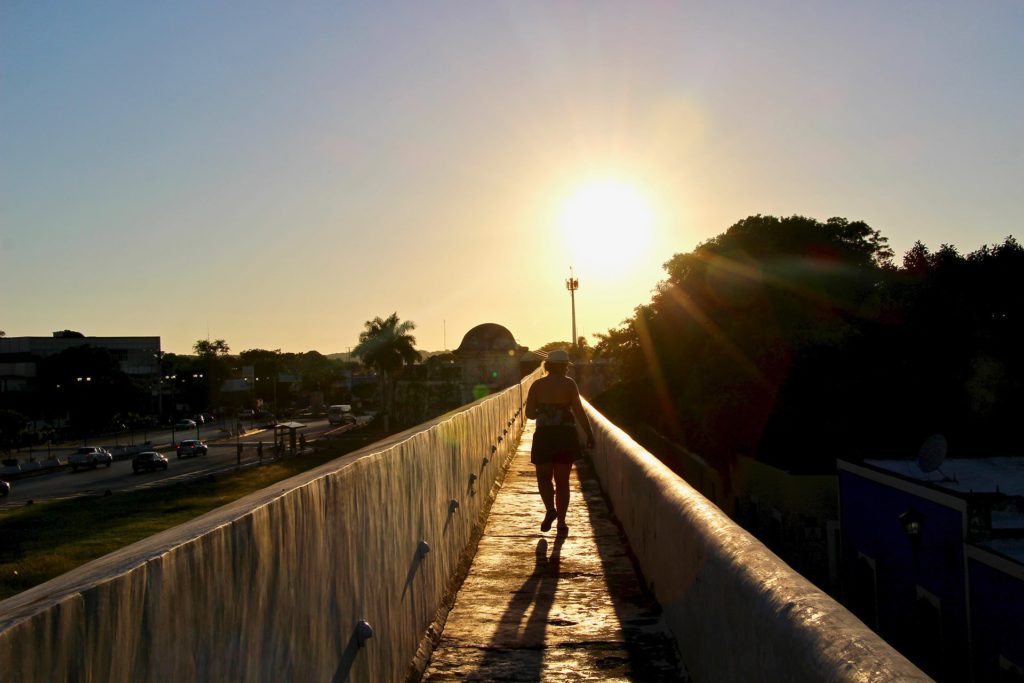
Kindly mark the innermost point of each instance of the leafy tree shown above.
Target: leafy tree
(387, 346)
(795, 341)
(267, 366)
(581, 351)
(741, 324)
(205, 348)
(214, 364)
(319, 373)
(945, 346)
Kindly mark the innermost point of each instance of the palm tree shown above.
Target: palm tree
(386, 346)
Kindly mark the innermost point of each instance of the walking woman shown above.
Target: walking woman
(554, 402)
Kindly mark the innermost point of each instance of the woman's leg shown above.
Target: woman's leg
(547, 493)
(561, 472)
(547, 489)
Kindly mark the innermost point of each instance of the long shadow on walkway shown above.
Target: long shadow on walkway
(651, 652)
(538, 592)
(576, 612)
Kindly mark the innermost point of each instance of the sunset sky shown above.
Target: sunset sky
(275, 174)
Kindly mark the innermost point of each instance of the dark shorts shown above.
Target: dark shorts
(559, 445)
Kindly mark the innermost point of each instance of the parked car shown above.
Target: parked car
(5, 488)
(265, 418)
(189, 448)
(246, 413)
(185, 424)
(149, 461)
(91, 457)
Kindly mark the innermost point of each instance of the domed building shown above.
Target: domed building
(490, 360)
(487, 360)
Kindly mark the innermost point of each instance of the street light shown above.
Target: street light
(572, 284)
(159, 355)
(85, 424)
(196, 376)
(173, 405)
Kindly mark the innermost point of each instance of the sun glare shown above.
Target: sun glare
(607, 224)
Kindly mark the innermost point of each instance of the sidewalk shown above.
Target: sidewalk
(545, 607)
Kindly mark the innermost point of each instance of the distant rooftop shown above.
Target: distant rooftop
(1012, 548)
(983, 475)
(965, 478)
(489, 337)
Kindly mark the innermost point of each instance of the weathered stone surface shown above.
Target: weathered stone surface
(553, 607)
(737, 611)
(273, 587)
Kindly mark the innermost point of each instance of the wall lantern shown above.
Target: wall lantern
(913, 524)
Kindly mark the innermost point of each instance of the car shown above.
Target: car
(148, 461)
(265, 418)
(340, 414)
(91, 457)
(246, 413)
(185, 424)
(5, 488)
(189, 448)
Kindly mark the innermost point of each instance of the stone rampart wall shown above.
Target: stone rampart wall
(738, 612)
(272, 587)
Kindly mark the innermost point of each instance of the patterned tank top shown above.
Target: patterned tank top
(555, 415)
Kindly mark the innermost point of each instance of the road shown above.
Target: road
(223, 455)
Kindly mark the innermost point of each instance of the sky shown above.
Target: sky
(275, 174)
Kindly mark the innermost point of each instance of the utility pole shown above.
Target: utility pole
(572, 284)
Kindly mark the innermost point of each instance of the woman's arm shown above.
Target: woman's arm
(581, 415)
(531, 404)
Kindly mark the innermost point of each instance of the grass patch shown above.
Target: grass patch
(39, 542)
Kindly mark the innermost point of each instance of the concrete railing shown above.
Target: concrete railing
(274, 587)
(738, 612)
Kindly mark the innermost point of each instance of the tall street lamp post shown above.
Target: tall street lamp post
(159, 355)
(85, 423)
(572, 284)
(196, 376)
(173, 406)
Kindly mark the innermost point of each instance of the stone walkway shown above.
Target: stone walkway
(550, 607)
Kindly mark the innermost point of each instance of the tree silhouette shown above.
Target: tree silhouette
(387, 346)
(795, 341)
(206, 348)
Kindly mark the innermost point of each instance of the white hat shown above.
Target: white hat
(558, 356)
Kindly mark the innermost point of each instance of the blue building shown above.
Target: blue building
(934, 561)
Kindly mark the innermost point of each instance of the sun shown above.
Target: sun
(607, 224)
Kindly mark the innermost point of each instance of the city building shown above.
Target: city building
(137, 357)
(933, 560)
